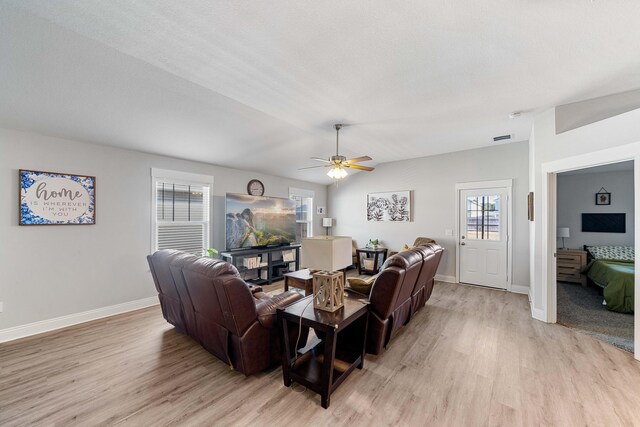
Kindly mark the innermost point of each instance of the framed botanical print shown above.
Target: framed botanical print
(51, 198)
(394, 206)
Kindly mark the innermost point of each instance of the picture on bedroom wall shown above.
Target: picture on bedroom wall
(50, 198)
(603, 197)
(392, 206)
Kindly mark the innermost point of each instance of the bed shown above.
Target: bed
(612, 268)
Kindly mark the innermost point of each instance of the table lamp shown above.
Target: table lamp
(329, 255)
(327, 223)
(563, 232)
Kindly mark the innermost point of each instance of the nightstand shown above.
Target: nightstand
(570, 263)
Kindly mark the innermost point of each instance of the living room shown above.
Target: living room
(132, 93)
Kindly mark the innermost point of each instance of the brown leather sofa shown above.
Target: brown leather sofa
(403, 286)
(431, 255)
(354, 254)
(207, 300)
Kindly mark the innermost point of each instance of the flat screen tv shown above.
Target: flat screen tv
(256, 221)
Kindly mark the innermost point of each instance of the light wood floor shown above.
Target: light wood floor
(472, 357)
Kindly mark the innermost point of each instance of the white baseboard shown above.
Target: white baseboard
(443, 278)
(538, 314)
(519, 289)
(29, 329)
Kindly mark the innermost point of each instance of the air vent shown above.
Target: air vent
(502, 138)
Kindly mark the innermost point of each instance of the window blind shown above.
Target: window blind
(182, 216)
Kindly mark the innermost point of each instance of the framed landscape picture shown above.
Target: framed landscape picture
(394, 206)
(50, 198)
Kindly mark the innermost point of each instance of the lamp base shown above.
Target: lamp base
(328, 290)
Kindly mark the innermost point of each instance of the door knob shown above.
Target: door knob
(462, 243)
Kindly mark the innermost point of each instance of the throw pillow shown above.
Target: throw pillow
(361, 285)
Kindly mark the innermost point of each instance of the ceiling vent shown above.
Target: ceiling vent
(502, 138)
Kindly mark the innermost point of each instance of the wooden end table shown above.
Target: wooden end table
(301, 279)
(379, 256)
(325, 366)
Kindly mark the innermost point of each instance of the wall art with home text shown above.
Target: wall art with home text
(392, 206)
(50, 198)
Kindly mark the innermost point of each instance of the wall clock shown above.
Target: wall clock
(255, 188)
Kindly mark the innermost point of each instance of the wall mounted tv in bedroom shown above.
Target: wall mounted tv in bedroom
(256, 221)
(604, 223)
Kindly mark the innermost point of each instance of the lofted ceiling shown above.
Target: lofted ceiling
(258, 85)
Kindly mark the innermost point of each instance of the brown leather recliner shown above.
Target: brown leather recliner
(390, 298)
(163, 277)
(207, 300)
(431, 254)
(438, 251)
(402, 287)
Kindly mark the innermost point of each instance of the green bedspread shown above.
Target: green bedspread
(617, 277)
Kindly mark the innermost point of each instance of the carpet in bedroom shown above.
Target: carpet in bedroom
(581, 308)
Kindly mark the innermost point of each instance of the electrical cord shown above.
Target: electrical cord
(295, 359)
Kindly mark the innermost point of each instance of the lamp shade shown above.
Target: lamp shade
(328, 253)
(563, 232)
(327, 222)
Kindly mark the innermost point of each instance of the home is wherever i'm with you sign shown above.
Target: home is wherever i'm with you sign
(49, 198)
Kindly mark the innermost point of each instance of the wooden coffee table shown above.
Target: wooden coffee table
(301, 279)
(341, 349)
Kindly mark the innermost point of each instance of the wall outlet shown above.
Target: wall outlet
(448, 232)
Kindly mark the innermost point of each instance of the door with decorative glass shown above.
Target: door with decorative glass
(483, 240)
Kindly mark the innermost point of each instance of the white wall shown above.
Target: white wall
(576, 195)
(49, 272)
(546, 147)
(432, 180)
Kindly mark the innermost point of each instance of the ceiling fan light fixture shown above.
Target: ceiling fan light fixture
(337, 172)
(338, 163)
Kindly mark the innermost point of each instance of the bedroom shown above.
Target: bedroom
(595, 269)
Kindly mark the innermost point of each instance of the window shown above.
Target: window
(483, 217)
(181, 214)
(304, 212)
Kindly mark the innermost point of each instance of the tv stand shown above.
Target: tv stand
(273, 267)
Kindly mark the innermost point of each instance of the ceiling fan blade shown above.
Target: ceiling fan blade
(320, 160)
(313, 167)
(359, 159)
(362, 168)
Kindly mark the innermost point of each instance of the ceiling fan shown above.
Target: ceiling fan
(338, 163)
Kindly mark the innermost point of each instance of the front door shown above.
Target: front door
(483, 238)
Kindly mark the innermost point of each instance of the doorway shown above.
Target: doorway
(484, 233)
(595, 252)
(547, 224)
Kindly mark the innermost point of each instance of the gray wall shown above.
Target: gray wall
(578, 114)
(52, 271)
(576, 195)
(432, 180)
(549, 146)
